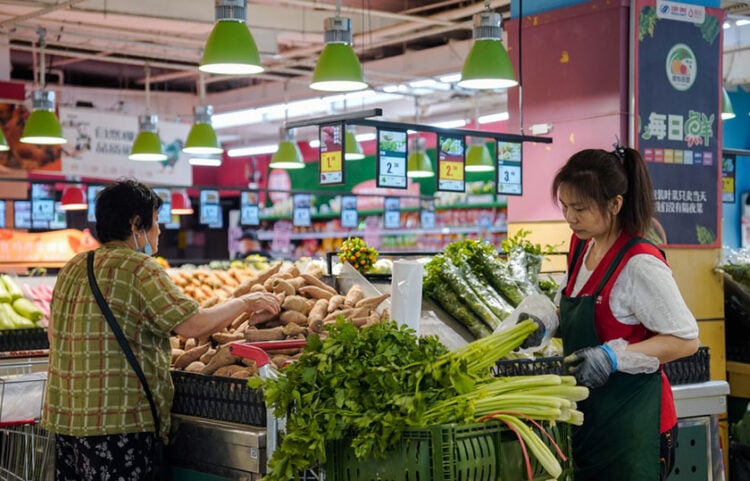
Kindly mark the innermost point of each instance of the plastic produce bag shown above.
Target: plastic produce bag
(543, 311)
(22, 397)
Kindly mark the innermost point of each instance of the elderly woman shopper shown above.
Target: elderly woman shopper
(109, 423)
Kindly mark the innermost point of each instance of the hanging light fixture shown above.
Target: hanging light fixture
(338, 68)
(202, 138)
(205, 160)
(4, 147)
(230, 48)
(287, 155)
(42, 127)
(419, 163)
(727, 112)
(181, 204)
(147, 146)
(488, 65)
(478, 157)
(353, 147)
(73, 198)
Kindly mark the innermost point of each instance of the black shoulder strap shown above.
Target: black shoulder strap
(121, 339)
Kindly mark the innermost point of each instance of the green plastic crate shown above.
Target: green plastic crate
(476, 452)
(438, 453)
(513, 466)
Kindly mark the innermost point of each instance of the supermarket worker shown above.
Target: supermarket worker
(105, 423)
(621, 318)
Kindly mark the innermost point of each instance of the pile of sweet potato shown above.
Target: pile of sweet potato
(307, 305)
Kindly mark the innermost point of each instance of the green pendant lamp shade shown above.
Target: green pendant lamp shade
(478, 158)
(202, 137)
(230, 48)
(419, 164)
(727, 112)
(488, 65)
(147, 146)
(4, 147)
(42, 126)
(353, 147)
(287, 156)
(338, 68)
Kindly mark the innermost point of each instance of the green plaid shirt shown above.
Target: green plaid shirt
(91, 387)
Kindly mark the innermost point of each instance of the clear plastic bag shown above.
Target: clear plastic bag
(543, 311)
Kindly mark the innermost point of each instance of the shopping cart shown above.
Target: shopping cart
(26, 450)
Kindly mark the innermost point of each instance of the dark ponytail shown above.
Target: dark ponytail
(600, 175)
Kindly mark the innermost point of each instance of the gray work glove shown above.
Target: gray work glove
(591, 366)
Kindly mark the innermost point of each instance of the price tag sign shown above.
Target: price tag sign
(451, 163)
(42, 204)
(60, 221)
(2, 214)
(93, 190)
(22, 214)
(349, 215)
(210, 213)
(392, 213)
(727, 178)
(249, 210)
(509, 174)
(331, 166)
(427, 213)
(301, 216)
(391, 164)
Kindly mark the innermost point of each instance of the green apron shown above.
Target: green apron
(619, 439)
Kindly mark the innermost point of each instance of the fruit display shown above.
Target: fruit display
(356, 252)
(20, 307)
(307, 305)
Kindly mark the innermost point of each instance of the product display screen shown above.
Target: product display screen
(427, 213)
(249, 210)
(42, 203)
(331, 154)
(301, 215)
(392, 155)
(349, 216)
(451, 163)
(91, 192)
(2, 214)
(509, 178)
(22, 214)
(60, 221)
(165, 211)
(210, 208)
(392, 213)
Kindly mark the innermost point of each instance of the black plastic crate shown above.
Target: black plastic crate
(221, 398)
(25, 339)
(691, 369)
(688, 370)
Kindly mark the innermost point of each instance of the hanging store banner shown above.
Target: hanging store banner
(677, 75)
(99, 144)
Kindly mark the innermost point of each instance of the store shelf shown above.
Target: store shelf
(269, 235)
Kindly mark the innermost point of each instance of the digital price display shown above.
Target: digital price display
(22, 214)
(249, 210)
(509, 175)
(60, 221)
(301, 216)
(392, 155)
(392, 213)
(451, 163)
(427, 213)
(331, 166)
(91, 193)
(349, 216)
(210, 208)
(42, 204)
(2, 214)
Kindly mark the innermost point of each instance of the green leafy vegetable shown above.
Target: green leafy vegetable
(646, 22)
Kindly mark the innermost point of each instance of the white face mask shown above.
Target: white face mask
(147, 249)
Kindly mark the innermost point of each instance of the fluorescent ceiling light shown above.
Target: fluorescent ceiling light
(449, 124)
(256, 150)
(742, 22)
(207, 161)
(499, 117)
(365, 137)
(238, 117)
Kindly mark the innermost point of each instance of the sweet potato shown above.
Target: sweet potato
(190, 355)
(335, 302)
(222, 358)
(175, 342)
(297, 282)
(225, 337)
(227, 371)
(282, 285)
(373, 301)
(244, 373)
(292, 329)
(190, 343)
(354, 295)
(319, 311)
(293, 317)
(314, 281)
(315, 292)
(195, 366)
(176, 353)
(271, 334)
(239, 320)
(296, 303)
(208, 355)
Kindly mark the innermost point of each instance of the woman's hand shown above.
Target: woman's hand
(261, 302)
